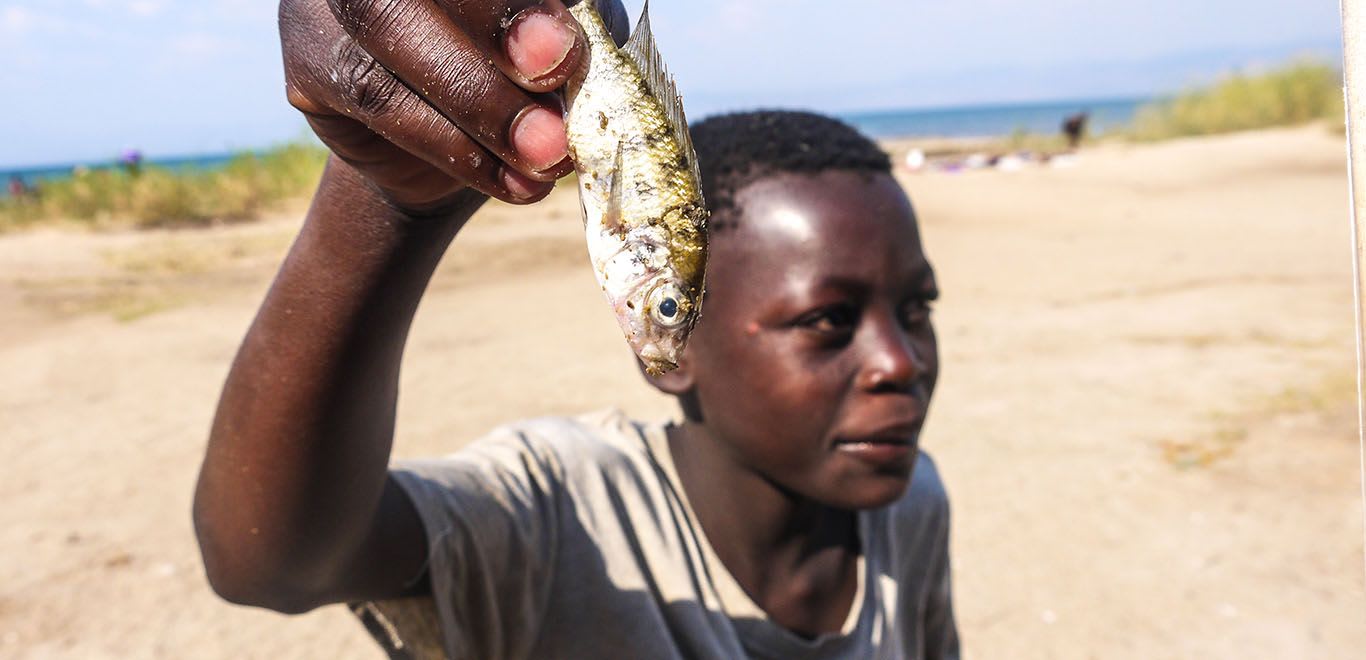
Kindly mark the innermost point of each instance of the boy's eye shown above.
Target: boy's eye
(832, 319)
(916, 312)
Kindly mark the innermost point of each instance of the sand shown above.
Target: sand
(1145, 418)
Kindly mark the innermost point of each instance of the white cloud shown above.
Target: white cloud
(16, 20)
(201, 45)
(235, 12)
(746, 15)
(146, 7)
(740, 16)
(134, 7)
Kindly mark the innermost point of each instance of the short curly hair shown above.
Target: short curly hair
(735, 150)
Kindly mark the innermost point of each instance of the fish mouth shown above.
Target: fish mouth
(658, 358)
(658, 367)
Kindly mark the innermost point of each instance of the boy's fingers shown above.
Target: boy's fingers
(419, 156)
(419, 45)
(535, 43)
(542, 46)
(409, 180)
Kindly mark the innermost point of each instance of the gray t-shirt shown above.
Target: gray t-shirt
(572, 538)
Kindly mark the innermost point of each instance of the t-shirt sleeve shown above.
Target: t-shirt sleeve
(941, 630)
(925, 525)
(490, 513)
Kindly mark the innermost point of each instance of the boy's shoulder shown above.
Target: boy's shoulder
(912, 533)
(925, 504)
(568, 444)
(518, 465)
(926, 485)
(606, 431)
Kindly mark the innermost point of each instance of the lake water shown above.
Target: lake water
(965, 121)
(994, 120)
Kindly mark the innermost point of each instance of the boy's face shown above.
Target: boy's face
(814, 359)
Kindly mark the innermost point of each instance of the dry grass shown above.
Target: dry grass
(158, 275)
(1230, 431)
(1296, 93)
(247, 187)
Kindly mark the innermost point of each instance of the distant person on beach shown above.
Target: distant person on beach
(17, 188)
(1074, 129)
(131, 161)
(787, 513)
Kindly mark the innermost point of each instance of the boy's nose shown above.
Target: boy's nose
(892, 362)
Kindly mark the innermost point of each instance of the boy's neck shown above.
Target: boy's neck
(795, 557)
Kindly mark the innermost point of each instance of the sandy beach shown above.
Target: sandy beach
(1145, 418)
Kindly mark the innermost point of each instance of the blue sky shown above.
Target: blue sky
(82, 79)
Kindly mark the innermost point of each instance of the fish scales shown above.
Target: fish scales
(644, 216)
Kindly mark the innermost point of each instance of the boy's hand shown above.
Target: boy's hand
(428, 97)
(427, 101)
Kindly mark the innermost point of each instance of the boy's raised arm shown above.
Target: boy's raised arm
(292, 508)
(428, 106)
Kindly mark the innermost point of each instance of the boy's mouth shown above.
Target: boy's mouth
(886, 447)
(902, 432)
(880, 440)
(883, 452)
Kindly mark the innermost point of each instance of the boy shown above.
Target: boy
(778, 519)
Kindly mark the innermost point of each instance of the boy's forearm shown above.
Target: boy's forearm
(297, 460)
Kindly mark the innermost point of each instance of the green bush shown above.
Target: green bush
(248, 186)
(1298, 93)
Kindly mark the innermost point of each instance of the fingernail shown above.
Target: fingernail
(521, 187)
(539, 137)
(538, 42)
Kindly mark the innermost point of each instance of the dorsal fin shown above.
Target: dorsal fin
(640, 48)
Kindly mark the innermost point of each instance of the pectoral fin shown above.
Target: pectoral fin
(612, 218)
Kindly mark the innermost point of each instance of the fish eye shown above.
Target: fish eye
(666, 306)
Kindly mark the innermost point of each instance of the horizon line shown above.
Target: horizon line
(9, 169)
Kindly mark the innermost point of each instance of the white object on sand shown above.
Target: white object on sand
(1063, 161)
(1010, 163)
(915, 159)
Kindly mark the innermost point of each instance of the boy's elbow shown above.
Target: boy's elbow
(238, 573)
(256, 590)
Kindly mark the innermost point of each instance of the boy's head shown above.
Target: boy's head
(814, 359)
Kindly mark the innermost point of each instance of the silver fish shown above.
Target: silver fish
(643, 210)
